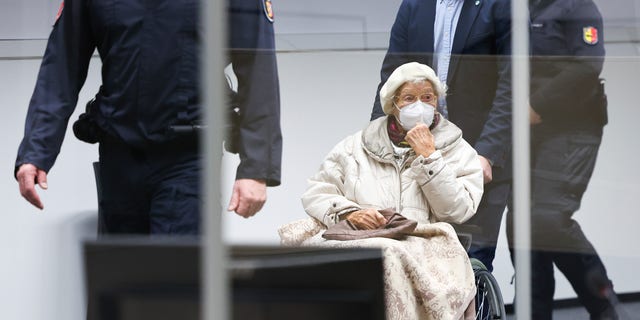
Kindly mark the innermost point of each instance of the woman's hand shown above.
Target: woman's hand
(367, 219)
(421, 140)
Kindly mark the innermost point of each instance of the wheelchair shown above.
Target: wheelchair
(488, 300)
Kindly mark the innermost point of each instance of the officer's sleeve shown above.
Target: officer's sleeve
(583, 32)
(495, 139)
(396, 54)
(62, 74)
(252, 50)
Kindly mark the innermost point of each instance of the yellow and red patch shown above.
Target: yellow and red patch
(590, 35)
(268, 10)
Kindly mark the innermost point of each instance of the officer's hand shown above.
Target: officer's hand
(248, 197)
(487, 172)
(28, 176)
(534, 117)
(421, 140)
(367, 219)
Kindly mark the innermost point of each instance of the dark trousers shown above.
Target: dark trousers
(152, 190)
(561, 167)
(487, 219)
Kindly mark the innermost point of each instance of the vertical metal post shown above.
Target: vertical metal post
(214, 283)
(521, 168)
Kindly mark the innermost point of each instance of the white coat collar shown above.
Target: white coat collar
(375, 139)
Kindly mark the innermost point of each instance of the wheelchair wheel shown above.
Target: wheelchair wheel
(489, 303)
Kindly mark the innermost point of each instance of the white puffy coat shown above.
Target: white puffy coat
(361, 172)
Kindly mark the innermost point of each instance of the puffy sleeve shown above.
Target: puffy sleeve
(451, 181)
(325, 198)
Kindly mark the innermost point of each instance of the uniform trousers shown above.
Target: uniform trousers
(561, 166)
(150, 190)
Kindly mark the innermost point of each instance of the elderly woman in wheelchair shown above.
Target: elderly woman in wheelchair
(398, 184)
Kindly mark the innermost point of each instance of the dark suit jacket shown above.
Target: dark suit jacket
(479, 80)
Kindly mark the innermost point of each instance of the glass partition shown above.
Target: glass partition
(573, 175)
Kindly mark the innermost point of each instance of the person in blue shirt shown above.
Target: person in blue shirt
(568, 110)
(149, 50)
(468, 43)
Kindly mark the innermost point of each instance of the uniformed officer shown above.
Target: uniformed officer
(567, 115)
(150, 85)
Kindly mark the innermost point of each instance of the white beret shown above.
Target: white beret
(405, 73)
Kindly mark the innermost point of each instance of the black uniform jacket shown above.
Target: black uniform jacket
(567, 55)
(150, 77)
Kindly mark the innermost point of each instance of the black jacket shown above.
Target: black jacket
(150, 78)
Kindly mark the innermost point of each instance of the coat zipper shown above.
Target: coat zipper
(399, 172)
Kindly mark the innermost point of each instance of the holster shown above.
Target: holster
(85, 128)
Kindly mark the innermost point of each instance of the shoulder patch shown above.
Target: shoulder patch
(268, 10)
(590, 35)
(59, 12)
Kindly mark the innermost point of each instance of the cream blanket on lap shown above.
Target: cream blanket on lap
(427, 275)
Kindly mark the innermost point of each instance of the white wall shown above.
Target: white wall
(39, 251)
(325, 96)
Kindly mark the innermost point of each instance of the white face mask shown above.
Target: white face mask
(417, 112)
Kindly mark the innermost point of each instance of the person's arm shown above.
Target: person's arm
(452, 183)
(324, 198)
(259, 141)
(61, 76)
(253, 58)
(495, 139)
(396, 53)
(579, 71)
